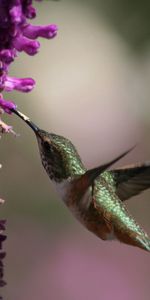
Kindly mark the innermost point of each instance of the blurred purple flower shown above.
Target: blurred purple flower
(17, 35)
(33, 32)
(19, 84)
(2, 253)
(6, 105)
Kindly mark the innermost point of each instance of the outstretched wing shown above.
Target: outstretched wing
(82, 182)
(131, 180)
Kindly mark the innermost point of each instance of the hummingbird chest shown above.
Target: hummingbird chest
(79, 208)
(84, 210)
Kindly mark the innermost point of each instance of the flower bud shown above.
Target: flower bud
(22, 43)
(7, 105)
(33, 32)
(20, 84)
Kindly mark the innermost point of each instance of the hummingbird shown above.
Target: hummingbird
(97, 196)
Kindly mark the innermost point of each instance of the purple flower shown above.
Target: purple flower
(21, 43)
(33, 32)
(7, 56)
(19, 84)
(7, 105)
(2, 253)
(17, 35)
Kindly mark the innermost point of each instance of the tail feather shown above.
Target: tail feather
(134, 239)
(143, 242)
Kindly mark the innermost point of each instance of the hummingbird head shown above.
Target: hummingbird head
(59, 156)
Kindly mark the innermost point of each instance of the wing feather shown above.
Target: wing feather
(131, 180)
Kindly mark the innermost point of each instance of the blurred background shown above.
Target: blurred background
(93, 87)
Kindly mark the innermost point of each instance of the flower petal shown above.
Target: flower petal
(7, 55)
(22, 43)
(16, 14)
(33, 32)
(30, 12)
(7, 105)
(19, 84)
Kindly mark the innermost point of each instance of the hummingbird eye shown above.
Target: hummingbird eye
(47, 145)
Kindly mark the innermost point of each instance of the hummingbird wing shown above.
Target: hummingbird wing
(131, 180)
(118, 221)
(92, 174)
(82, 182)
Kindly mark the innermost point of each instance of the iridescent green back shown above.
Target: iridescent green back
(107, 201)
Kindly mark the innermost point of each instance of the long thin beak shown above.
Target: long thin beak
(27, 120)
